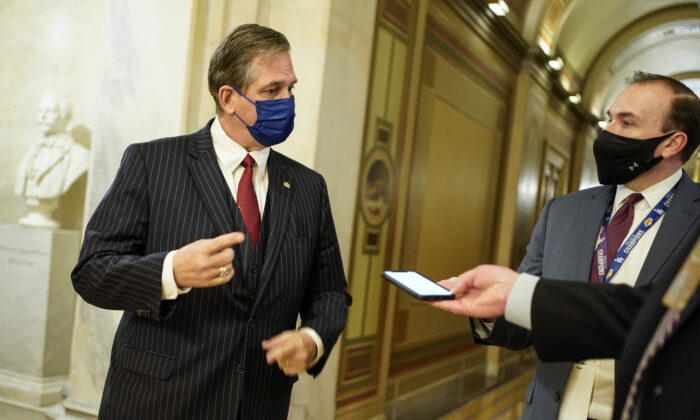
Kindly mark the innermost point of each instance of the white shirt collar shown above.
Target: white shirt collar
(230, 154)
(652, 195)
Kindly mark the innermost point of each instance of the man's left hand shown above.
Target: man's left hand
(481, 292)
(293, 351)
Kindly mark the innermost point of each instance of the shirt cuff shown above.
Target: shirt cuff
(170, 290)
(319, 344)
(519, 303)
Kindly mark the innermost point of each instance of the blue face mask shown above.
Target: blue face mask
(275, 120)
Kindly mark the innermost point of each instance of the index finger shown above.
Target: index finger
(456, 285)
(227, 240)
(274, 341)
(466, 279)
(448, 283)
(280, 353)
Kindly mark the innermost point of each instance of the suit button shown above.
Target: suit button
(658, 390)
(254, 268)
(557, 396)
(251, 323)
(240, 368)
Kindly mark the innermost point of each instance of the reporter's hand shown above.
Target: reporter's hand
(480, 293)
(200, 263)
(292, 350)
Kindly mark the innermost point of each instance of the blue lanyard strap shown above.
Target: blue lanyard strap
(601, 251)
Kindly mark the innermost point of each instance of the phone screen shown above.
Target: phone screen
(418, 285)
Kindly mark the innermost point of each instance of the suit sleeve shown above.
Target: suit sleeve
(113, 271)
(572, 320)
(505, 334)
(326, 302)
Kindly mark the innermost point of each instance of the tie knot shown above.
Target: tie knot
(248, 162)
(633, 199)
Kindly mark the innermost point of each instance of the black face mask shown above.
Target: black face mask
(621, 159)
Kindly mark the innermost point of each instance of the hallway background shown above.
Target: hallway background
(441, 127)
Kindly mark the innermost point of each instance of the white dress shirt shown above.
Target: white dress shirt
(229, 155)
(591, 383)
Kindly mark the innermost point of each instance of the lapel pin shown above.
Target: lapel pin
(286, 184)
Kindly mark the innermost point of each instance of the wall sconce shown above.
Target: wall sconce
(575, 99)
(499, 8)
(556, 63)
(602, 124)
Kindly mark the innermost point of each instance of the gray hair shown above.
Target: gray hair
(231, 62)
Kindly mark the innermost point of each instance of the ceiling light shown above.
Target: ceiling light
(575, 99)
(499, 8)
(543, 45)
(556, 63)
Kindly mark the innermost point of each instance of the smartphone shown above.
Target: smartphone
(417, 285)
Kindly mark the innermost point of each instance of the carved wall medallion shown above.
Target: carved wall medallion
(376, 186)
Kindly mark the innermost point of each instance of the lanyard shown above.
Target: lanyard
(601, 252)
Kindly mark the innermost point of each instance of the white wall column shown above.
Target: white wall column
(139, 97)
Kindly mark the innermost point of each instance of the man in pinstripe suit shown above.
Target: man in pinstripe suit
(213, 244)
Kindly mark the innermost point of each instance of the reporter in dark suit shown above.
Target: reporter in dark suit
(653, 332)
(213, 244)
(654, 128)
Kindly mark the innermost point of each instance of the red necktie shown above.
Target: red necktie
(247, 200)
(616, 232)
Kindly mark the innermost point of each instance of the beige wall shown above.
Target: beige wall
(141, 83)
(475, 136)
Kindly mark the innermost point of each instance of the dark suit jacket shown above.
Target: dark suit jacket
(561, 247)
(200, 356)
(621, 321)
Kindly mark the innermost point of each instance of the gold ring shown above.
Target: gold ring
(223, 272)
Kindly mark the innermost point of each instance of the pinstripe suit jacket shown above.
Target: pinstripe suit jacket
(199, 356)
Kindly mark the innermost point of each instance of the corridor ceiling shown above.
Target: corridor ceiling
(604, 41)
(588, 25)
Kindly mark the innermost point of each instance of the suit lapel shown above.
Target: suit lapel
(683, 212)
(592, 218)
(276, 212)
(210, 183)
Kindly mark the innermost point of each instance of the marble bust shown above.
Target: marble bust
(52, 164)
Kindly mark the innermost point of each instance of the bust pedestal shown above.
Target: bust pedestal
(40, 213)
(37, 307)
